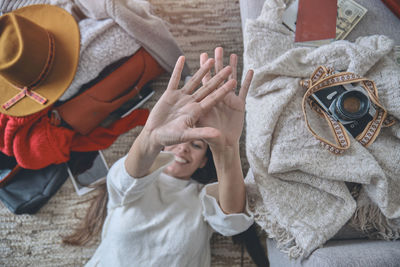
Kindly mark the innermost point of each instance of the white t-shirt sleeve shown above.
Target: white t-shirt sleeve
(225, 224)
(123, 188)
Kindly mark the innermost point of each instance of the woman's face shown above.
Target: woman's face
(189, 157)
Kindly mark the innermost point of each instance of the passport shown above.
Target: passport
(316, 21)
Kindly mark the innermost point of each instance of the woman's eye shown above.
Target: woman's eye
(196, 145)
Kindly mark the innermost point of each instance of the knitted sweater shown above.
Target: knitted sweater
(36, 143)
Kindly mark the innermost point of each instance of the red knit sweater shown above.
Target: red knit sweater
(36, 143)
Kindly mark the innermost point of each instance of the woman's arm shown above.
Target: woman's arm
(228, 117)
(175, 115)
(231, 188)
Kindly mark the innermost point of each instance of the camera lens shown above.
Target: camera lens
(352, 105)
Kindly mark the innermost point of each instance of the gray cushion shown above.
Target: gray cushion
(342, 253)
(348, 232)
(378, 20)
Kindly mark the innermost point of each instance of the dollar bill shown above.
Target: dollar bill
(397, 54)
(349, 14)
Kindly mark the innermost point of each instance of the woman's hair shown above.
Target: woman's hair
(91, 225)
(207, 174)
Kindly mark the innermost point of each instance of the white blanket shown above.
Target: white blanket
(297, 188)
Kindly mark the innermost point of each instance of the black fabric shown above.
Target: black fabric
(253, 246)
(7, 162)
(80, 162)
(29, 190)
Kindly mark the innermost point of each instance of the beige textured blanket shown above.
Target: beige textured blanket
(297, 187)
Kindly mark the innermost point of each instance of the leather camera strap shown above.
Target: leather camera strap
(324, 77)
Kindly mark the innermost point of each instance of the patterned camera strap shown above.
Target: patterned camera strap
(324, 77)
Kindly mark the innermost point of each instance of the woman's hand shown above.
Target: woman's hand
(175, 116)
(228, 114)
(228, 117)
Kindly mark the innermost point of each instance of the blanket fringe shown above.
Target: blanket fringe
(286, 242)
(370, 220)
(284, 239)
(367, 218)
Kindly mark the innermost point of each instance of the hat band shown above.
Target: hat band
(27, 90)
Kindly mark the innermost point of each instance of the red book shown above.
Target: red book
(393, 5)
(316, 20)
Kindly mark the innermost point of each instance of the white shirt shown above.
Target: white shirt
(159, 220)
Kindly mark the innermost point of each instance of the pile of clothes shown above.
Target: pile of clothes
(64, 67)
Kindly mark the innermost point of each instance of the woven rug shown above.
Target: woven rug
(35, 240)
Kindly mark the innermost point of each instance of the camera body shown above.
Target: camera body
(348, 105)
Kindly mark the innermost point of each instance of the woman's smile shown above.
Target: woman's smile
(189, 156)
(180, 160)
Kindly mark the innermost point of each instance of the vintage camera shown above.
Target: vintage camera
(348, 105)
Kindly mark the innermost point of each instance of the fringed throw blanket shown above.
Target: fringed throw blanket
(296, 187)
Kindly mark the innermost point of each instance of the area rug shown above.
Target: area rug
(35, 240)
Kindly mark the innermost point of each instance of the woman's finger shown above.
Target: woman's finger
(212, 84)
(194, 82)
(191, 134)
(219, 59)
(246, 84)
(203, 59)
(212, 99)
(176, 74)
(233, 59)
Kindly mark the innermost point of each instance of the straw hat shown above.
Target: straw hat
(39, 53)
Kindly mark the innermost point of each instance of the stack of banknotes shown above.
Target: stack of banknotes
(349, 15)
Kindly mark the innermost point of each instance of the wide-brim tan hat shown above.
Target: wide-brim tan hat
(39, 52)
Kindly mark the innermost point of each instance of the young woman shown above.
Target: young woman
(156, 214)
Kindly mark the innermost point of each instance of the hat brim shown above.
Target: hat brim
(65, 30)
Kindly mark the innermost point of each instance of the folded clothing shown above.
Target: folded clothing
(29, 190)
(87, 110)
(36, 143)
(111, 30)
